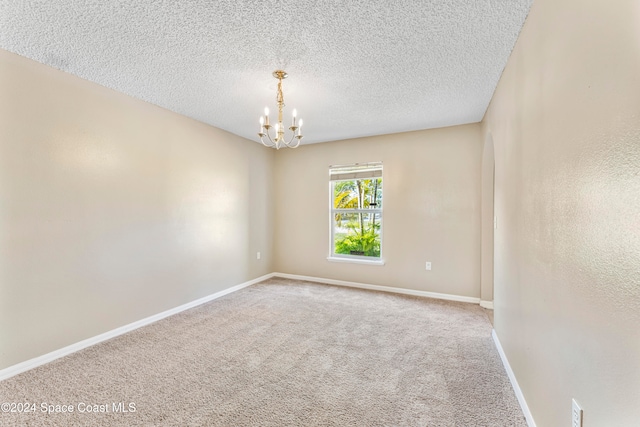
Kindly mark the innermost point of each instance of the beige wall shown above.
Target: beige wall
(565, 121)
(431, 209)
(112, 210)
(487, 221)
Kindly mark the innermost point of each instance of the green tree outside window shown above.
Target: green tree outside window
(357, 217)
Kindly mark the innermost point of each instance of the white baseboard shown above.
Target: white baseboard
(514, 382)
(486, 304)
(49, 357)
(380, 288)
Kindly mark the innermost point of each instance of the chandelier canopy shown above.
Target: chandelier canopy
(279, 139)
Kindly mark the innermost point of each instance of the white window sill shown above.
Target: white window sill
(355, 260)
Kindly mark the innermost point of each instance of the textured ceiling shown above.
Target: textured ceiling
(356, 68)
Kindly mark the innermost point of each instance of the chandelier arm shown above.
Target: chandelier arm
(278, 142)
(271, 144)
(268, 145)
(290, 145)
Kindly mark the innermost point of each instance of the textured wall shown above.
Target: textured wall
(431, 209)
(112, 209)
(565, 120)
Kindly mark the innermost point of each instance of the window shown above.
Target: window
(356, 212)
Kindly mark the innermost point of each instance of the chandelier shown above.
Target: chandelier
(279, 140)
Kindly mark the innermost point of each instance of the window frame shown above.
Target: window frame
(347, 258)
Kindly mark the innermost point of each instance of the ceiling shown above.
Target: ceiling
(356, 67)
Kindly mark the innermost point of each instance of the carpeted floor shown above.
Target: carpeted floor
(284, 353)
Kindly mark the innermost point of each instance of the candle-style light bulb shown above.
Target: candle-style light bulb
(295, 113)
(266, 111)
(261, 123)
(266, 116)
(300, 128)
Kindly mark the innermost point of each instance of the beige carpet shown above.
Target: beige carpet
(285, 353)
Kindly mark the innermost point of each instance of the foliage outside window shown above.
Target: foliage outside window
(356, 214)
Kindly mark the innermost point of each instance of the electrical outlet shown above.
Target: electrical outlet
(258, 255)
(427, 266)
(576, 414)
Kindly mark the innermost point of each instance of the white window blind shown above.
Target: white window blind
(355, 171)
